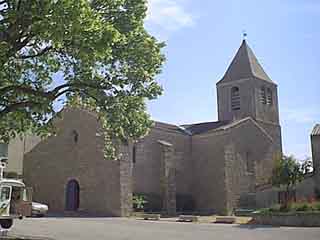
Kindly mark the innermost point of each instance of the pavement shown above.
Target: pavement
(124, 228)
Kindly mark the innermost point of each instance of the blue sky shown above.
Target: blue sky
(203, 36)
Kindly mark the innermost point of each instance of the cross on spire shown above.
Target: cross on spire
(244, 35)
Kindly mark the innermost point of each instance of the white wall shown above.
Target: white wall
(17, 148)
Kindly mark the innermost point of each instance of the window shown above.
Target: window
(263, 97)
(250, 163)
(5, 194)
(235, 98)
(134, 151)
(75, 135)
(269, 97)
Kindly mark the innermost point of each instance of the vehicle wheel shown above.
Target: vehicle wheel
(6, 223)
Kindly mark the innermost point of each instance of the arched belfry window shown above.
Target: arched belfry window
(263, 96)
(235, 98)
(269, 97)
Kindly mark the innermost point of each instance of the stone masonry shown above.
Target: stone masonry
(168, 179)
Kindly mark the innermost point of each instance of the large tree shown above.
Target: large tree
(98, 49)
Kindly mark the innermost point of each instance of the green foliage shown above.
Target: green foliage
(139, 202)
(286, 172)
(292, 207)
(107, 60)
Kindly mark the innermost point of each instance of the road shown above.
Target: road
(122, 229)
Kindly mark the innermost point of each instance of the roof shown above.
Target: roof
(316, 130)
(244, 65)
(169, 127)
(199, 128)
(11, 182)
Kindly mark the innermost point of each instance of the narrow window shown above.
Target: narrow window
(235, 98)
(263, 97)
(269, 97)
(250, 167)
(75, 136)
(134, 151)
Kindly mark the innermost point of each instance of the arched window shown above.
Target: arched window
(263, 96)
(269, 97)
(235, 98)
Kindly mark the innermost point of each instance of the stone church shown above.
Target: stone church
(210, 167)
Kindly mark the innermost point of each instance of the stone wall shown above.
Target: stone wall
(246, 166)
(168, 179)
(250, 104)
(269, 196)
(147, 168)
(58, 159)
(16, 149)
(246, 100)
(315, 144)
(209, 164)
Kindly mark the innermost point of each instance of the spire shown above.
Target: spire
(244, 65)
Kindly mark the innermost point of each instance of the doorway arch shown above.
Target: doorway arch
(72, 195)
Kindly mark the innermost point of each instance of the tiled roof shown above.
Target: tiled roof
(168, 127)
(199, 128)
(244, 65)
(316, 130)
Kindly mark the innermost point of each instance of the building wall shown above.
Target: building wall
(265, 112)
(246, 166)
(52, 163)
(16, 149)
(315, 144)
(146, 169)
(250, 104)
(269, 196)
(246, 100)
(209, 168)
(274, 130)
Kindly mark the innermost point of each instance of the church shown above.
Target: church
(208, 168)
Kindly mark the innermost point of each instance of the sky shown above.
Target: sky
(203, 36)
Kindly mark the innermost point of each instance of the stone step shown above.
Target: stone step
(149, 216)
(188, 218)
(226, 219)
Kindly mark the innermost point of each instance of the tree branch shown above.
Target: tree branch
(42, 52)
(15, 106)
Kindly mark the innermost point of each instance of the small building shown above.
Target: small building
(315, 145)
(210, 167)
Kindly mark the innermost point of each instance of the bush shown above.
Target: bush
(302, 207)
(293, 207)
(138, 202)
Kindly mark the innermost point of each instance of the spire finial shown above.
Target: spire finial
(244, 35)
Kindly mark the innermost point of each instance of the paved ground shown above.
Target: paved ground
(121, 229)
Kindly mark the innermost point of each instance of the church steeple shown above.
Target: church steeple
(244, 65)
(246, 90)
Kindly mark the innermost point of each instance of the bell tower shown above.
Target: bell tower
(246, 90)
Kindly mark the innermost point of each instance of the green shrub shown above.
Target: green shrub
(286, 207)
(138, 202)
(302, 207)
(275, 208)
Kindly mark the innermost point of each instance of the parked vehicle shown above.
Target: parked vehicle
(39, 209)
(15, 198)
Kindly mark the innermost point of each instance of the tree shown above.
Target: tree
(287, 172)
(107, 60)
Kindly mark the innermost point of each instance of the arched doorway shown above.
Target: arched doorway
(72, 195)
